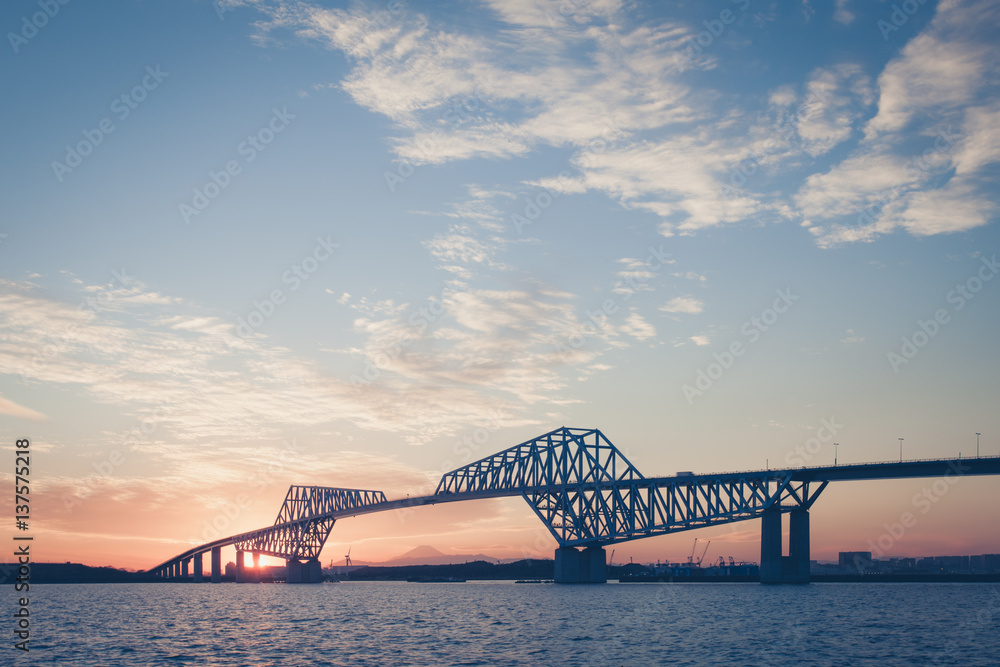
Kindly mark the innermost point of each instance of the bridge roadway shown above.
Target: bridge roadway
(589, 496)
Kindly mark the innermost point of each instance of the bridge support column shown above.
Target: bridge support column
(313, 571)
(293, 571)
(778, 569)
(581, 567)
(241, 567)
(770, 546)
(184, 568)
(796, 568)
(255, 572)
(175, 570)
(199, 567)
(216, 565)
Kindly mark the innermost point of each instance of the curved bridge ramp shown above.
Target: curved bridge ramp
(588, 495)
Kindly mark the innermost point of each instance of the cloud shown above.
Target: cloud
(12, 409)
(635, 129)
(850, 337)
(924, 165)
(835, 100)
(636, 326)
(683, 304)
(700, 340)
(841, 14)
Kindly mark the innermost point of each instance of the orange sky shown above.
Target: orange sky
(136, 526)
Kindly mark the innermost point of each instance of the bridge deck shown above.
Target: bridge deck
(860, 471)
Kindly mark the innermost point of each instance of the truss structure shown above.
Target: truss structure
(304, 522)
(588, 494)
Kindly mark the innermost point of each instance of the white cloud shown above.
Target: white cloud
(841, 14)
(700, 340)
(683, 304)
(835, 100)
(640, 134)
(851, 337)
(12, 409)
(636, 326)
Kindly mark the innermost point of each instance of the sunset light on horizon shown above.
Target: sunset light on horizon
(249, 244)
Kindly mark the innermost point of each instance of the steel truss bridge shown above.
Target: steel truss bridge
(588, 495)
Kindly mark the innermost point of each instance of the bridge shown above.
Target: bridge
(588, 495)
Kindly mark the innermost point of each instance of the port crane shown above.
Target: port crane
(697, 563)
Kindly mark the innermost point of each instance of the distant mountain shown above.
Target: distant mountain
(422, 555)
(428, 555)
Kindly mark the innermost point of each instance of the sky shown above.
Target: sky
(251, 243)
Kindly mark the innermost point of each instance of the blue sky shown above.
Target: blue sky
(482, 221)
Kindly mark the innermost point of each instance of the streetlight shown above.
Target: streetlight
(977, 444)
(835, 445)
(900, 450)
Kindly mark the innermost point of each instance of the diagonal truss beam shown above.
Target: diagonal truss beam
(304, 522)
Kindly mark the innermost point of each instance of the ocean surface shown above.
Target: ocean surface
(502, 623)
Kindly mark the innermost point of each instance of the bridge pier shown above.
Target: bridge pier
(573, 566)
(774, 567)
(184, 568)
(199, 567)
(255, 573)
(241, 566)
(216, 565)
(313, 571)
(293, 571)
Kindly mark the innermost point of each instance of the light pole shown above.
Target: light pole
(835, 445)
(900, 450)
(977, 444)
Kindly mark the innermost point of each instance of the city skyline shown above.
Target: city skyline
(251, 244)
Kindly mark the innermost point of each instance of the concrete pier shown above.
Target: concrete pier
(184, 568)
(240, 566)
(313, 571)
(216, 565)
(776, 568)
(199, 568)
(574, 566)
(293, 571)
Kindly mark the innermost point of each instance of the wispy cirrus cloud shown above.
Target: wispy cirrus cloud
(924, 163)
(642, 133)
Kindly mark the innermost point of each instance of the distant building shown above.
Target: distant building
(991, 562)
(855, 562)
